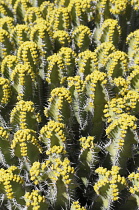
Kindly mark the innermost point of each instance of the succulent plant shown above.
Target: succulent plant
(69, 104)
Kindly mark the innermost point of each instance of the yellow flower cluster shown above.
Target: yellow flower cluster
(22, 138)
(81, 34)
(6, 90)
(61, 93)
(117, 58)
(4, 35)
(108, 29)
(3, 7)
(53, 169)
(21, 71)
(87, 5)
(112, 179)
(62, 37)
(124, 121)
(76, 82)
(59, 14)
(53, 129)
(32, 14)
(4, 133)
(119, 105)
(55, 63)
(103, 51)
(42, 22)
(7, 65)
(33, 199)
(61, 169)
(20, 33)
(7, 177)
(135, 4)
(87, 142)
(59, 96)
(41, 29)
(120, 127)
(132, 99)
(92, 80)
(134, 178)
(7, 23)
(37, 170)
(68, 55)
(118, 7)
(56, 150)
(76, 206)
(26, 49)
(114, 107)
(122, 85)
(80, 7)
(20, 112)
(86, 61)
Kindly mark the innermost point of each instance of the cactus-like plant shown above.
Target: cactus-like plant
(11, 184)
(109, 185)
(20, 34)
(81, 38)
(118, 148)
(69, 104)
(6, 45)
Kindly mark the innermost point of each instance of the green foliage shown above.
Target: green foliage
(69, 104)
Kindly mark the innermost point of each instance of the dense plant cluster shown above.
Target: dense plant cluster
(69, 104)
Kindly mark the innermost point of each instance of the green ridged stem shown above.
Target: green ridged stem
(87, 63)
(46, 9)
(108, 186)
(61, 39)
(6, 45)
(68, 56)
(20, 7)
(42, 36)
(5, 10)
(7, 23)
(134, 180)
(11, 184)
(102, 52)
(109, 31)
(59, 105)
(20, 34)
(97, 95)
(123, 136)
(75, 85)
(6, 157)
(24, 116)
(60, 179)
(53, 135)
(88, 158)
(116, 64)
(81, 38)
(81, 11)
(24, 82)
(60, 19)
(7, 65)
(24, 144)
(29, 52)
